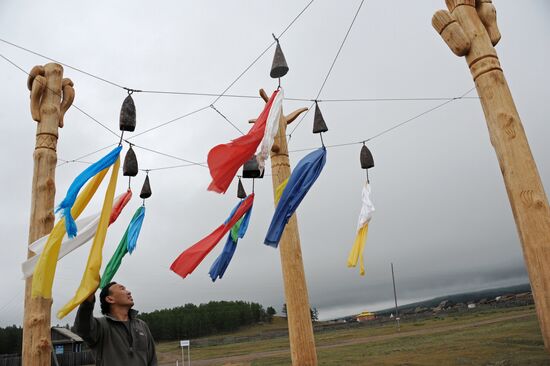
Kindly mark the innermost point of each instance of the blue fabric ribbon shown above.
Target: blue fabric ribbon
(302, 178)
(134, 228)
(218, 268)
(67, 204)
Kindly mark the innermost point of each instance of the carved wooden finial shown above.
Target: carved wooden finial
(488, 16)
(68, 97)
(37, 83)
(451, 32)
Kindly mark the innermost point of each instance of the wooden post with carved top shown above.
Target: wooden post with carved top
(469, 28)
(51, 97)
(300, 328)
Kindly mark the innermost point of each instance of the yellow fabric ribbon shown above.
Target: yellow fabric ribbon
(358, 249)
(44, 273)
(279, 190)
(90, 279)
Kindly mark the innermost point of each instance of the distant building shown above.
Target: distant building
(365, 316)
(65, 341)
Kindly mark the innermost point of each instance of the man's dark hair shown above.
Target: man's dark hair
(105, 306)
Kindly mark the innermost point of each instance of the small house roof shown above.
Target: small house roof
(68, 334)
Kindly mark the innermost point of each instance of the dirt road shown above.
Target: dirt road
(286, 352)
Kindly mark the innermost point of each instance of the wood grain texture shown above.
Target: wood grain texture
(300, 328)
(523, 184)
(45, 84)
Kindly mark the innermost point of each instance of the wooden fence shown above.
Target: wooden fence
(66, 359)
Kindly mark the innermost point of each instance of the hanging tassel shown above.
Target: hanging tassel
(135, 228)
(271, 129)
(116, 260)
(238, 231)
(87, 227)
(120, 203)
(279, 190)
(68, 202)
(367, 211)
(300, 181)
(90, 279)
(224, 160)
(42, 280)
(193, 256)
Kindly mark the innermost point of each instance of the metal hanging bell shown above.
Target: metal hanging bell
(319, 124)
(146, 189)
(367, 161)
(130, 167)
(279, 68)
(128, 115)
(241, 193)
(251, 169)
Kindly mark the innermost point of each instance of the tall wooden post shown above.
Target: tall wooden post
(300, 328)
(470, 30)
(47, 88)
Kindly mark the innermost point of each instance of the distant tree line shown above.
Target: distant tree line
(10, 340)
(191, 321)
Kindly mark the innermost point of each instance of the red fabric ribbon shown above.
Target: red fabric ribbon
(119, 205)
(224, 160)
(193, 256)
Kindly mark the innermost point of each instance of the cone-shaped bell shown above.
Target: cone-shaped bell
(128, 115)
(251, 169)
(130, 167)
(146, 189)
(241, 193)
(279, 68)
(367, 161)
(319, 124)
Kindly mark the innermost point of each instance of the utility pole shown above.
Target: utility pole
(51, 97)
(469, 28)
(300, 328)
(395, 298)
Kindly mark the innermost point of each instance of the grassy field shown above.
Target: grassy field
(501, 337)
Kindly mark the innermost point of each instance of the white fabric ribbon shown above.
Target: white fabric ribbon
(87, 227)
(271, 128)
(367, 208)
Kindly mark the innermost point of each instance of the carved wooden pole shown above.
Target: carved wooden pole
(470, 30)
(47, 87)
(300, 329)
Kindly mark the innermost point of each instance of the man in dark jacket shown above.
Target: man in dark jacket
(118, 338)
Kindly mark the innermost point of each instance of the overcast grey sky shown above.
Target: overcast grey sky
(442, 214)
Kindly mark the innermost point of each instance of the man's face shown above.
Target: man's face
(119, 295)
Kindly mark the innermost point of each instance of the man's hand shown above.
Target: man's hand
(91, 298)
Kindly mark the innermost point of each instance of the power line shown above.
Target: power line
(263, 52)
(168, 122)
(218, 96)
(227, 119)
(53, 91)
(64, 64)
(168, 155)
(391, 128)
(331, 67)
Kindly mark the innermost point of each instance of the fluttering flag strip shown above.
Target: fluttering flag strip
(44, 273)
(367, 210)
(279, 190)
(224, 160)
(116, 260)
(120, 203)
(300, 181)
(87, 227)
(271, 129)
(218, 268)
(90, 279)
(134, 228)
(68, 202)
(192, 256)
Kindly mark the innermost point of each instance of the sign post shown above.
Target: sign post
(187, 344)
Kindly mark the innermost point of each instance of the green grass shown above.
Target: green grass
(505, 343)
